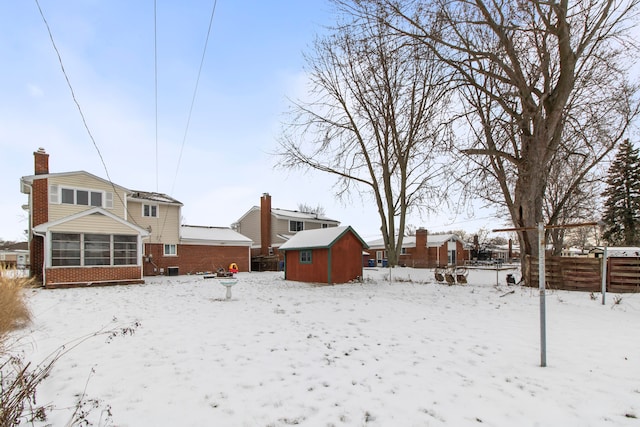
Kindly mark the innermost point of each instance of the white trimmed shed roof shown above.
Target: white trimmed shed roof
(317, 238)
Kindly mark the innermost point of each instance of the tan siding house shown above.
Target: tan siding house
(85, 230)
(269, 228)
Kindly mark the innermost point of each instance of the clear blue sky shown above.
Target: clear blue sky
(253, 63)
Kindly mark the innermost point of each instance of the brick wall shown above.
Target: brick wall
(67, 276)
(39, 211)
(193, 259)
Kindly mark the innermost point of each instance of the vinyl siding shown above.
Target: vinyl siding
(96, 223)
(250, 227)
(164, 229)
(84, 182)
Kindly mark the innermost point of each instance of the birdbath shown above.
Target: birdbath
(228, 284)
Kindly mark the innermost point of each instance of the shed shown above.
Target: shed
(327, 255)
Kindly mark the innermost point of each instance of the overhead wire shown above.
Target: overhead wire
(193, 100)
(77, 103)
(195, 91)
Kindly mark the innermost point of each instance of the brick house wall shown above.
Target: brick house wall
(191, 259)
(39, 212)
(60, 277)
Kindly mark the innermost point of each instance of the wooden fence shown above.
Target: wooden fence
(585, 274)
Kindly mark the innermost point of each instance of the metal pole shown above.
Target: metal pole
(541, 285)
(604, 273)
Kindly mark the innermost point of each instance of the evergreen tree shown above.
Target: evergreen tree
(622, 198)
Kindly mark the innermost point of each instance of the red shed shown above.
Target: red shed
(326, 255)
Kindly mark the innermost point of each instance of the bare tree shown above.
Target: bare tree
(318, 210)
(374, 120)
(532, 76)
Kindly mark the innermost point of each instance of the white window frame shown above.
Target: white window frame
(55, 196)
(151, 207)
(292, 222)
(168, 248)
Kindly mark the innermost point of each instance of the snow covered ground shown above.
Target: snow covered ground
(412, 352)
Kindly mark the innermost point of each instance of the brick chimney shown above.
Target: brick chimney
(420, 258)
(41, 162)
(265, 224)
(39, 210)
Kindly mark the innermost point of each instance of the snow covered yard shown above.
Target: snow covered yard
(408, 353)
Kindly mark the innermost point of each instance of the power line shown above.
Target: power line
(73, 95)
(195, 91)
(75, 100)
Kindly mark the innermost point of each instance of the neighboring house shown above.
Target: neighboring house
(615, 252)
(422, 251)
(207, 249)
(87, 230)
(14, 255)
(269, 227)
(330, 255)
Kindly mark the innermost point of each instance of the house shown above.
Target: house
(79, 229)
(269, 228)
(14, 255)
(423, 250)
(204, 249)
(325, 255)
(87, 230)
(615, 252)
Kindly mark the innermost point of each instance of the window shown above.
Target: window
(325, 225)
(68, 249)
(97, 249)
(82, 197)
(150, 211)
(65, 249)
(96, 198)
(68, 196)
(125, 250)
(305, 257)
(403, 251)
(296, 226)
(73, 196)
(170, 250)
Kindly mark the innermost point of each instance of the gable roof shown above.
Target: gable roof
(42, 228)
(30, 178)
(196, 234)
(433, 241)
(319, 238)
(289, 214)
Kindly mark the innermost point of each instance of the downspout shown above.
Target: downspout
(31, 233)
(46, 257)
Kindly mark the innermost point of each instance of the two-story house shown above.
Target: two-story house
(79, 229)
(87, 230)
(269, 228)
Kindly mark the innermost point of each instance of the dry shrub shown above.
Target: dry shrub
(14, 311)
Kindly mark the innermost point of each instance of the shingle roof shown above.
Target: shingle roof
(155, 197)
(213, 234)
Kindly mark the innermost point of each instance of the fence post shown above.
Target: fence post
(604, 274)
(541, 285)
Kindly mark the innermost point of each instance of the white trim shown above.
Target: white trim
(43, 228)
